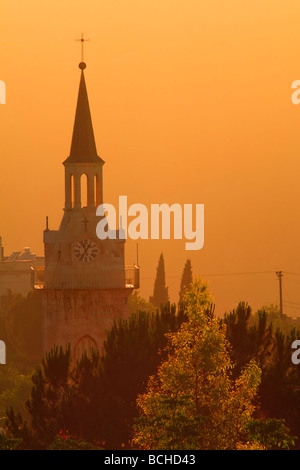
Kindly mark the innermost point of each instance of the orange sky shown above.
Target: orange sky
(191, 103)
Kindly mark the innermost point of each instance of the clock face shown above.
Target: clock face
(85, 250)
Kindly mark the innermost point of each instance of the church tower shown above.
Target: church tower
(86, 284)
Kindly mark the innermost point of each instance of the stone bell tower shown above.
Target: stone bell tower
(86, 284)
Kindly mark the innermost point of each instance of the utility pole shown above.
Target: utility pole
(279, 274)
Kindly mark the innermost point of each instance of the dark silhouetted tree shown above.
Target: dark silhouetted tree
(248, 341)
(160, 292)
(51, 390)
(255, 338)
(280, 388)
(97, 399)
(186, 279)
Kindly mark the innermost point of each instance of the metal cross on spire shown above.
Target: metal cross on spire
(82, 40)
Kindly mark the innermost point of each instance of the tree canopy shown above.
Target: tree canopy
(192, 402)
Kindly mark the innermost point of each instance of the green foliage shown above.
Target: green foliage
(284, 323)
(51, 388)
(256, 338)
(272, 434)
(136, 304)
(202, 392)
(8, 443)
(160, 293)
(131, 354)
(14, 389)
(21, 329)
(97, 398)
(192, 402)
(65, 442)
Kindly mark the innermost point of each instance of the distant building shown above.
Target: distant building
(17, 272)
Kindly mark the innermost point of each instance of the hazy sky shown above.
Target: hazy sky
(191, 103)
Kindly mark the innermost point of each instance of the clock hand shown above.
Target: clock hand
(86, 248)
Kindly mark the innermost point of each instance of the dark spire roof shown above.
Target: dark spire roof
(83, 146)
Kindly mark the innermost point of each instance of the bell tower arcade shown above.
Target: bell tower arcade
(86, 283)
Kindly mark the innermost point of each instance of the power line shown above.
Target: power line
(289, 302)
(239, 274)
(231, 274)
(279, 274)
(220, 274)
(293, 308)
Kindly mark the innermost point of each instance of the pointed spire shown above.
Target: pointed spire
(83, 146)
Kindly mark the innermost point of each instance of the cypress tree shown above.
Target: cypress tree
(186, 279)
(160, 292)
